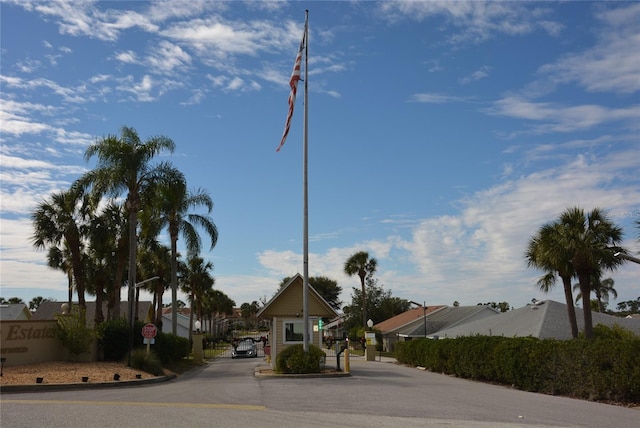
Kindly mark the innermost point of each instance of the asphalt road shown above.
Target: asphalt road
(225, 393)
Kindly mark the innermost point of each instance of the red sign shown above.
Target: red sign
(149, 331)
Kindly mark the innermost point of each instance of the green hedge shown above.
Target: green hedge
(607, 368)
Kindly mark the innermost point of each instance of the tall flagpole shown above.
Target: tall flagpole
(305, 227)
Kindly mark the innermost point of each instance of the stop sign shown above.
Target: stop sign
(149, 331)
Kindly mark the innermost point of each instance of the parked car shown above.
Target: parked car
(245, 348)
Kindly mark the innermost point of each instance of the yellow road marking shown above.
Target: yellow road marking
(141, 403)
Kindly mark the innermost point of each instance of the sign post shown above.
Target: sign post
(149, 331)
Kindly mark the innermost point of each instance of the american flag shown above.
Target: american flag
(293, 83)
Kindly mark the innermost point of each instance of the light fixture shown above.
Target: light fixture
(197, 325)
(370, 323)
(627, 257)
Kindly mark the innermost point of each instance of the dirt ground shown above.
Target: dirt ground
(66, 372)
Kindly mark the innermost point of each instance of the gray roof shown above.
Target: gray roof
(49, 310)
(545, 320)
(182, 324)
(451, 316)
(14, 312)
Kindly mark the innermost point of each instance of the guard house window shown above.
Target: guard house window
(293, 332)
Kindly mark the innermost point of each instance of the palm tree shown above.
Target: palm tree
(36, 302)
(105, 236)
(114, 225)
(215, 303)
(360, 264)
(590, 240)
(546, 252)
(196, 281)
(61, 220)
(61, 260)
(601, 288)
(173, 202)
(124, 164)
(155, 260)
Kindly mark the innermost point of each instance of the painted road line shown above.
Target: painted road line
(142, 404)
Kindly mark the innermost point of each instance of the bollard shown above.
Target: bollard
(346, 359)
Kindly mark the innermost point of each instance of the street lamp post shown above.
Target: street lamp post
(424, 314)
(131, 321)
(627, 257)
(424, 317)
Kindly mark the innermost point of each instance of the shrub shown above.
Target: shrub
(606, 368)
(113, 339)
(294, 360)
(147, 362)
(171, 348)
(73, 332)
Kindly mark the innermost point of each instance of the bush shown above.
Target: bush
(606, 368)
(171, 348)
(73, 332)
(149, 363)
(294, 360)
(113, 339)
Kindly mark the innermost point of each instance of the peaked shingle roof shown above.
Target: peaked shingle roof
(545, 320)
(318, 306)
(451, 316)
(49, 310)
(401, 320)
(14, 312)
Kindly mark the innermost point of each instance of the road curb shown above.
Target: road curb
(267, 372)
(41, 387)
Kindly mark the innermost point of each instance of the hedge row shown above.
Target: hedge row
(601, 369)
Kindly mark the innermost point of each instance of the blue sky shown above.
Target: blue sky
(442, 135)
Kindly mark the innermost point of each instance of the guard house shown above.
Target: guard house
(285, 310)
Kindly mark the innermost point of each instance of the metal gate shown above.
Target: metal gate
(246, 345)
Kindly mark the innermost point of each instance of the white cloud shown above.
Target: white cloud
(559, 118)
(476, 255)
(128, 57)
(477, 21)
(479, 74)
(609, 65)
(435, 98)
(168, 58)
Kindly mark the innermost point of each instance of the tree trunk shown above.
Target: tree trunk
(174, 284)
(571, 309)
(159, 292)
(133, 248)
(99, 316)
(70, 279)
(137, 310)
(78, 276)
(585, 289)
(364, 304)
(191, 319)
(115, 300)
